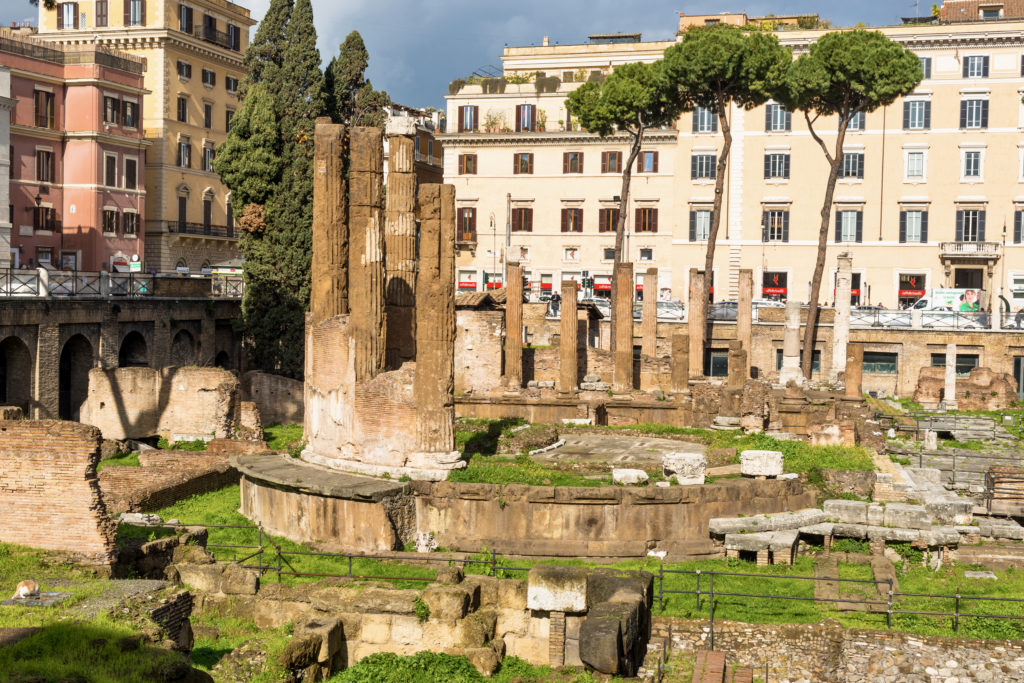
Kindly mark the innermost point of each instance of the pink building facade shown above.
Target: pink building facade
(78, 155)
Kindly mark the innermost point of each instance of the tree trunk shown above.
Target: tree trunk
(620, 224)
(716, 213)
(807, 355)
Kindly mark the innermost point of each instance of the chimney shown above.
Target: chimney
(545, 41)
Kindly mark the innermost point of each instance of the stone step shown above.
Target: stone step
(742, 675)
(709, 667)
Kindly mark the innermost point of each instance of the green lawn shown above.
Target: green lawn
(124, 460)
(282, 437)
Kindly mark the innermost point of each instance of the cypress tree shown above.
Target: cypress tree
(350, 98)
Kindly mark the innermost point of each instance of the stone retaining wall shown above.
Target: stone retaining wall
(142, 489)
(828, 652)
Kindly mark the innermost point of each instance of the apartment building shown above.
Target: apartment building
(193, 54)
(76, 154)
(6, 105)
(427, 153)
(931, 193)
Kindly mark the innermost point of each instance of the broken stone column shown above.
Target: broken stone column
(366, 255)
(434, 384)
(841, 326)
(745, 314)
(680, 363)
(697, 317)
(329, 292)
(649, 319)
(737, 366)
(568, 362)
(854, 371)
(791, 346)
(400, 242)
(513, 326)
(622, 345)
(949, 391)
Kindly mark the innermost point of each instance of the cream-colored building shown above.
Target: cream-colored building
(193, 52)
(932, 196)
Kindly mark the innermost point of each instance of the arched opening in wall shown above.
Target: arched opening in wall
(76, 359)
(223, 361)
(15, 374)
(183, 349)
(134, 352)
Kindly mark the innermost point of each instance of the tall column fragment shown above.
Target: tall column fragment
(737, 365)
(400, 242)
(697, 317)
(949, 391)
(329, 293)
(841, 326)
(434, 385)
(745, 315)
(791, 345)
(366, 257)
(622, 345)
(568, 369)
(680, 363)
(854, 371)
(649, 320)
(513, 326)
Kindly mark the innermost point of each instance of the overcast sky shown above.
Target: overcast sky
(418, 46)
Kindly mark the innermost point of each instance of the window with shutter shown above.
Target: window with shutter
(101, 13)
(775, 226)
(572, 162)
(646, 220)
(1018, 216)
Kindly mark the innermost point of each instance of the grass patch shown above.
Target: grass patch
(232, 632)
(165, 445)
(123, 460)
(971, 445)
(52, 573)
(281, 437)
(433, 667)
(521, 470)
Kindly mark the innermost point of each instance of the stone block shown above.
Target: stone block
(687, 468)
(610, 638)
(533, 650)
(848, 511)
(276, 613)
(436, 635)
(949, 510)
(406, 630)
(484, 659)
(539, 626)
(931, 440)
(376, 628)
(446, 603)
(449, 575)
(756, 463)
(514, 621)
(218, 578)
(1001, 529)
(628, 477)
(329, 632)
(486, 586)
(876, 514)
(557, 589)
(616, 585)
(512, 594)
(476, 629)
(906, 516)
(300, 652)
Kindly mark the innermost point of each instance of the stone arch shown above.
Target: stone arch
(15, 374)
(183, 348)
(76, 359)
(134, 351)
(223, 360)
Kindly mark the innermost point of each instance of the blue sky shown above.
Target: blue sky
(418, 46)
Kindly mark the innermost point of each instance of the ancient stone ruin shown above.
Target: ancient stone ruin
(366, 410)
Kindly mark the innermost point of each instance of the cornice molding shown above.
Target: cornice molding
(150, 39)
(654, 137)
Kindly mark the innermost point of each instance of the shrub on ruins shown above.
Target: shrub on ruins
(844, 74)
(351, 98)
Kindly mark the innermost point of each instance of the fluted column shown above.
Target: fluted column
(400, 242)
(622, 345)
(697, 322)
(329, 293)
(649, 319)
(366, 257)
(569, 345)
(513, 326)
(745, 314)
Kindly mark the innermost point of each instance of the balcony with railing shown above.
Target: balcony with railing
(978, 250)
(465, 237)
(15, 44)
(193, 229)
(212, 35)
(42, 283)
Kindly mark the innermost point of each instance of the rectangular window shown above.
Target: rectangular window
(572, 162)
(700, 224)
(815, 360)
(965, 362)
(704, 121)
(130, 223)
(67, 15)
(857, 121)
(990, 14)
(522, 220)
(777, 119)
(134, 12)
(44, 109)
(109, 221)
(131, 174)
(608, 254)
(611, 162)
(228, 115)
(184, 69)
(101, 13)
(183, 109)
(926, 66)
(776, 165)
(647, 254)
(915, 166)
(775, 226)
(111, 111)
(970, 225)
(917, 115)
(45, 168)
(182, 213)
(716, 363)
(207, 116)
(110, 170)
(648, 162)
(526, 117)
(522, 163)
(209, 77)
(880, 363)
(607, 219)
(974, 113)
(231, 84)
(184, 153)
(467, 164)
(235, 37)
(646, 220)
(914, 226)
(703, 166)
(849, 226)
(467, 224)
(853, 165)
(44, 218)
(975, 66)
(572, 220)
(468, 119)
(972, 164)
(208, 155)
(185, 16)
(207, 215)
(130, 112)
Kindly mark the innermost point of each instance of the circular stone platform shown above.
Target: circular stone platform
(614, 449)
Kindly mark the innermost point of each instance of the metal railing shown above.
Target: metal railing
(29, 283)
(131, 284)
(958, 464)
(27, 48)
(19, 282)
(74, 282)
(227, 286)
(942, 421)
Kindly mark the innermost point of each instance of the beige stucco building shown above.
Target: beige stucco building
(933, 193)
(193, 54)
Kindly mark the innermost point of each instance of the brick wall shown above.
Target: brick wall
(143, 489)
(49, 495)
(278, 398)
(478, 345)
